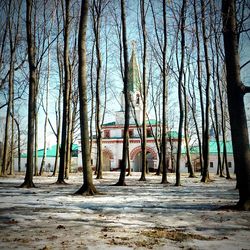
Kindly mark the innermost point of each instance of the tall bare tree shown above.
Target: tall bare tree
(144, 90)
(164, 95)
(28, 181)
(121, 181)
(180, 90)
(66, 90)
(205, 172)
(97, 9)
(88, 187)
(235, 92)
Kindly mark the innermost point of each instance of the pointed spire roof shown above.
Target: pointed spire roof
(134, 81)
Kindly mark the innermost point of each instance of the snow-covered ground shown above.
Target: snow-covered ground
(142, 215)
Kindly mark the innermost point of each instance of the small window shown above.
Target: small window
(131, 133)
(106, 133)
(229, 164)
(149, 132)
(211, 164)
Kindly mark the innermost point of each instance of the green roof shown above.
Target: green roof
(109, 124)
(51, 152)
(172, 135)
(149, 122)
(213, 149)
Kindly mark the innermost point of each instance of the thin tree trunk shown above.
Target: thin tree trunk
(144, 95)
(180, 90)
(58, 109)
(205, 173)
(88, 187)
(121, 181)
(36, 139)
(28, 181)
(165, 97)
(189, 162)
(65, 120)
(199, 73)
(97, 20)
(46, 117)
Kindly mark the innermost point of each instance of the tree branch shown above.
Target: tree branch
(245, 89)
(242, 66)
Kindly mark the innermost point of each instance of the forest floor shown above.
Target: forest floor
(141, 215)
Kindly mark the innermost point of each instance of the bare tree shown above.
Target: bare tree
(205, 173)
(180, 90)
(121, 181)
(144, 90)
(97, 9)
(66, 90)
(235, 92)
(88, 187)
(28, 181)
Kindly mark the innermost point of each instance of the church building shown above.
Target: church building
(112, 136)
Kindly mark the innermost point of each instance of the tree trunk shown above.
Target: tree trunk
(180, 90)
(58, 109)
(199, 73)
(65, 120)
(121, 181)
(46, 117)
(165, 97)
(144, 94)
(189, 162)
(205, 173)
(97, 21)
(88, 187)
(235, 92)
(28, 181)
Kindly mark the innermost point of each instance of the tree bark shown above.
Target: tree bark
(65, 120)
(144, 89)
(28, 181)
(199, 73)
(96, 13)
(205, 172)
(180, 90)
(46, 117)
(164, 97)
(238, 122)
(121, 181)
(88, 187)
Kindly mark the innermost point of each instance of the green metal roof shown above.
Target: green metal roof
(213, 149)
(109, 124)
(51, 152)
(172, 135)
(149, 122)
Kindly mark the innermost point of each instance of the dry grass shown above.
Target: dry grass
(175, 235)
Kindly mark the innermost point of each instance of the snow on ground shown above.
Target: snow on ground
(142, 215)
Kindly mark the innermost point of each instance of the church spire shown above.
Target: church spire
(134, 81)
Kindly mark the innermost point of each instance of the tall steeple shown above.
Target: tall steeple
(134, 81)
(134, 85)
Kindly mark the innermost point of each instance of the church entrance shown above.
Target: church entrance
(137, 167)
(106, 161)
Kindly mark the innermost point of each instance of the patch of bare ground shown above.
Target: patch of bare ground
(149, 238)
(174, 234)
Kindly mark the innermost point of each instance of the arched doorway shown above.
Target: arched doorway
(136, 157)
(107, 157)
